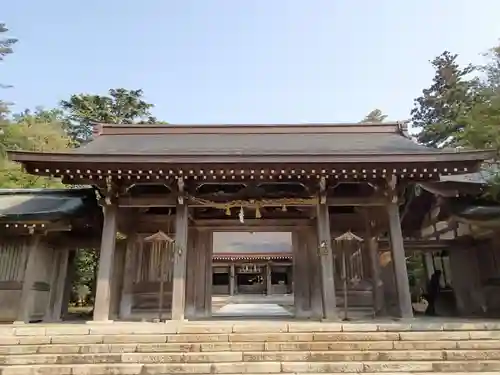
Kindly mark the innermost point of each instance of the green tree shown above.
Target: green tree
(481, 125)
(490, 82)
(38, 131)
(6, 44)
(439, 112)
(86, 261)
(121, 106)
(374, 116)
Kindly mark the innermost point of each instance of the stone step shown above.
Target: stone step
(414, 368)
(228, 328)
(248, 347)
(285, 348)
(215, 357)
(408, 336)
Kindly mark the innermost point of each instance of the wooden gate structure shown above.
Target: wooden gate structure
(314, 180)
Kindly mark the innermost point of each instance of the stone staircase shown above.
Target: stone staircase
(257, 347)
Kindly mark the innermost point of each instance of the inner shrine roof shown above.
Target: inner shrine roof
(259, 143)
(252, 256)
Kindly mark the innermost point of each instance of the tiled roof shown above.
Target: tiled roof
(313, 143)
(252, 144)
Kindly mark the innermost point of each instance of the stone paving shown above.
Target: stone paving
(280, 299)
(251, 310)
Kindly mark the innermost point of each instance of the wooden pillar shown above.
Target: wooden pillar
(26, 301)
(106, 257)
(54, 268)
(68, 283)
(373, 260)
(57, 285)
(399, 261)
(201, 278)
(315, 274)
(300, 275)
(209, 243)
(117, 278)
(378, 293)
(195, 265)
(269, 281)
(289, 278)
(128, 278)
(179, 272)
(326, 259)
(64, 266)
(232, 280)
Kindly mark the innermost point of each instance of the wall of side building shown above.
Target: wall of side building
(471, 268)
(32, 278)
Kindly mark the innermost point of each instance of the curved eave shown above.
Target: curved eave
(68, 192)
(32, 206)
(27, 157)
(67, 209)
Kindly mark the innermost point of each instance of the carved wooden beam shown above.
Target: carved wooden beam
(253, 224)
(171, 200)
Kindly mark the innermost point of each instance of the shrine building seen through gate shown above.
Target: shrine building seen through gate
(252, 274)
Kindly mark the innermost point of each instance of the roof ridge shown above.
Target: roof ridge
(238, 125)
(241, 129)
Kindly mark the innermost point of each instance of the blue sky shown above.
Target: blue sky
(242, 61)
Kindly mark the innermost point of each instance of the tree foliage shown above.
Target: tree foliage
(40, 130)
(86, 261)
(121, 106)
(6, 44)
(481, 125)
(462, 108)
(440, 110)
(374, 116)
(490, 83)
